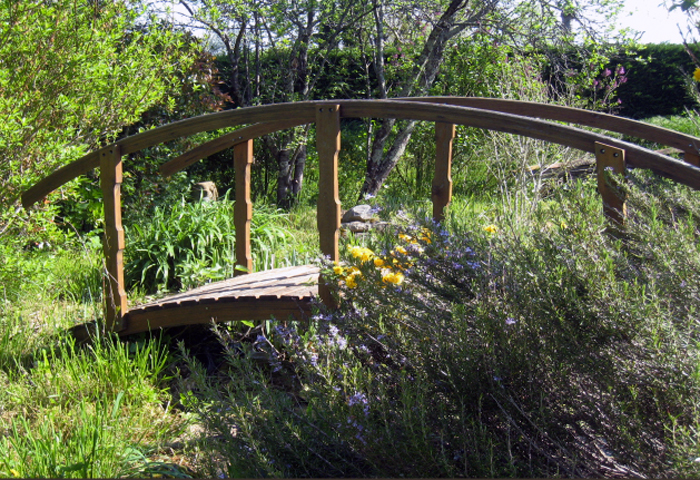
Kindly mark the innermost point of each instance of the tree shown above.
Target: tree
(73, 73)
(277, 51)
(526, 24)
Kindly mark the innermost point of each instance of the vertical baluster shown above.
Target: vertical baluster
(110, 183)
(243, 209)
(328, 211)
(442, 181)
(612, 159)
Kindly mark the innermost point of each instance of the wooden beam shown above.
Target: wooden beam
(228, 140)
(110, 182)
(328, 212)
(246, 308)
(442, 181)
(611, 159)
(60, 177)
(243, 208)
(613, 123)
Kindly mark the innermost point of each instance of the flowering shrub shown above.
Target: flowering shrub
(520, 352)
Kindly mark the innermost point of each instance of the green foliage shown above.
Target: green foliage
(656, 83)
(72, 75)
(85, 413)
(193, 243)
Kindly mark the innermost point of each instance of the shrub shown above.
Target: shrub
(523, 344)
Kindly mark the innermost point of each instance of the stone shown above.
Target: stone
(359, 213)
(205, 191)
(357, 227)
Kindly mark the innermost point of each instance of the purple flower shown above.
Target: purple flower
(510, 321)
(359, 398)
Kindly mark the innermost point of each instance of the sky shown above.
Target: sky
(654, 20)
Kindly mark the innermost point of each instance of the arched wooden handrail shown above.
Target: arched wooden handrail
(610, 153)
(688, 144)
(303, 112)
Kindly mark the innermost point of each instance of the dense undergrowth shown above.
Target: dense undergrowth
(520, 338)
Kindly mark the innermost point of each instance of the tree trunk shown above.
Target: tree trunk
(299, 165)
(284, 177)
(380, 166)
(427, 65)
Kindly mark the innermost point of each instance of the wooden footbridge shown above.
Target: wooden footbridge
(288, 291)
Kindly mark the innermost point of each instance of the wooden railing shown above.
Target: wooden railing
(520, 118)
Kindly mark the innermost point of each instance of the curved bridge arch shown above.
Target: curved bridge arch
(492, 114)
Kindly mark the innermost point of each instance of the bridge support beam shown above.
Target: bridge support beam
(611, 159)
(110, 183)
(442, 181)
(243, 208)
(328, 211)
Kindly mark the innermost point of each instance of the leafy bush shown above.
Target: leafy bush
(192, 243)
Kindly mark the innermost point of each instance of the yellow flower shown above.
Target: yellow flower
(426, 235)
(491, 228)
(392, 277)
(351, 277)
(363, 253)
(14, 473)
(564, 225)
(378, 262)
(696, 74)
(405, 238)
(350, 281)
(400, 249)
(338, 270)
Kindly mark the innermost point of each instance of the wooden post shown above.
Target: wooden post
(328, 210)
(243, 208)
(611, 159)
(110, 183)
(442, 181)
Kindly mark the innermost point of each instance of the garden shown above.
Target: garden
(519, 337)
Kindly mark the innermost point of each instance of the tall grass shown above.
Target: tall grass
(189, 244)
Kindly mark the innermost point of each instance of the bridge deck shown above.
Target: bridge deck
(279, 292)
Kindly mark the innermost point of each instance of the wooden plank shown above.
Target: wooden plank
(328, 211)
(223, 142)
(243, 208)
(611, 159)
(241, 286)
(110, 182)
(442, 181)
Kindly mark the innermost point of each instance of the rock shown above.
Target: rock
(357, 227)
(359, 213)
(362, 227)
(205, 191)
